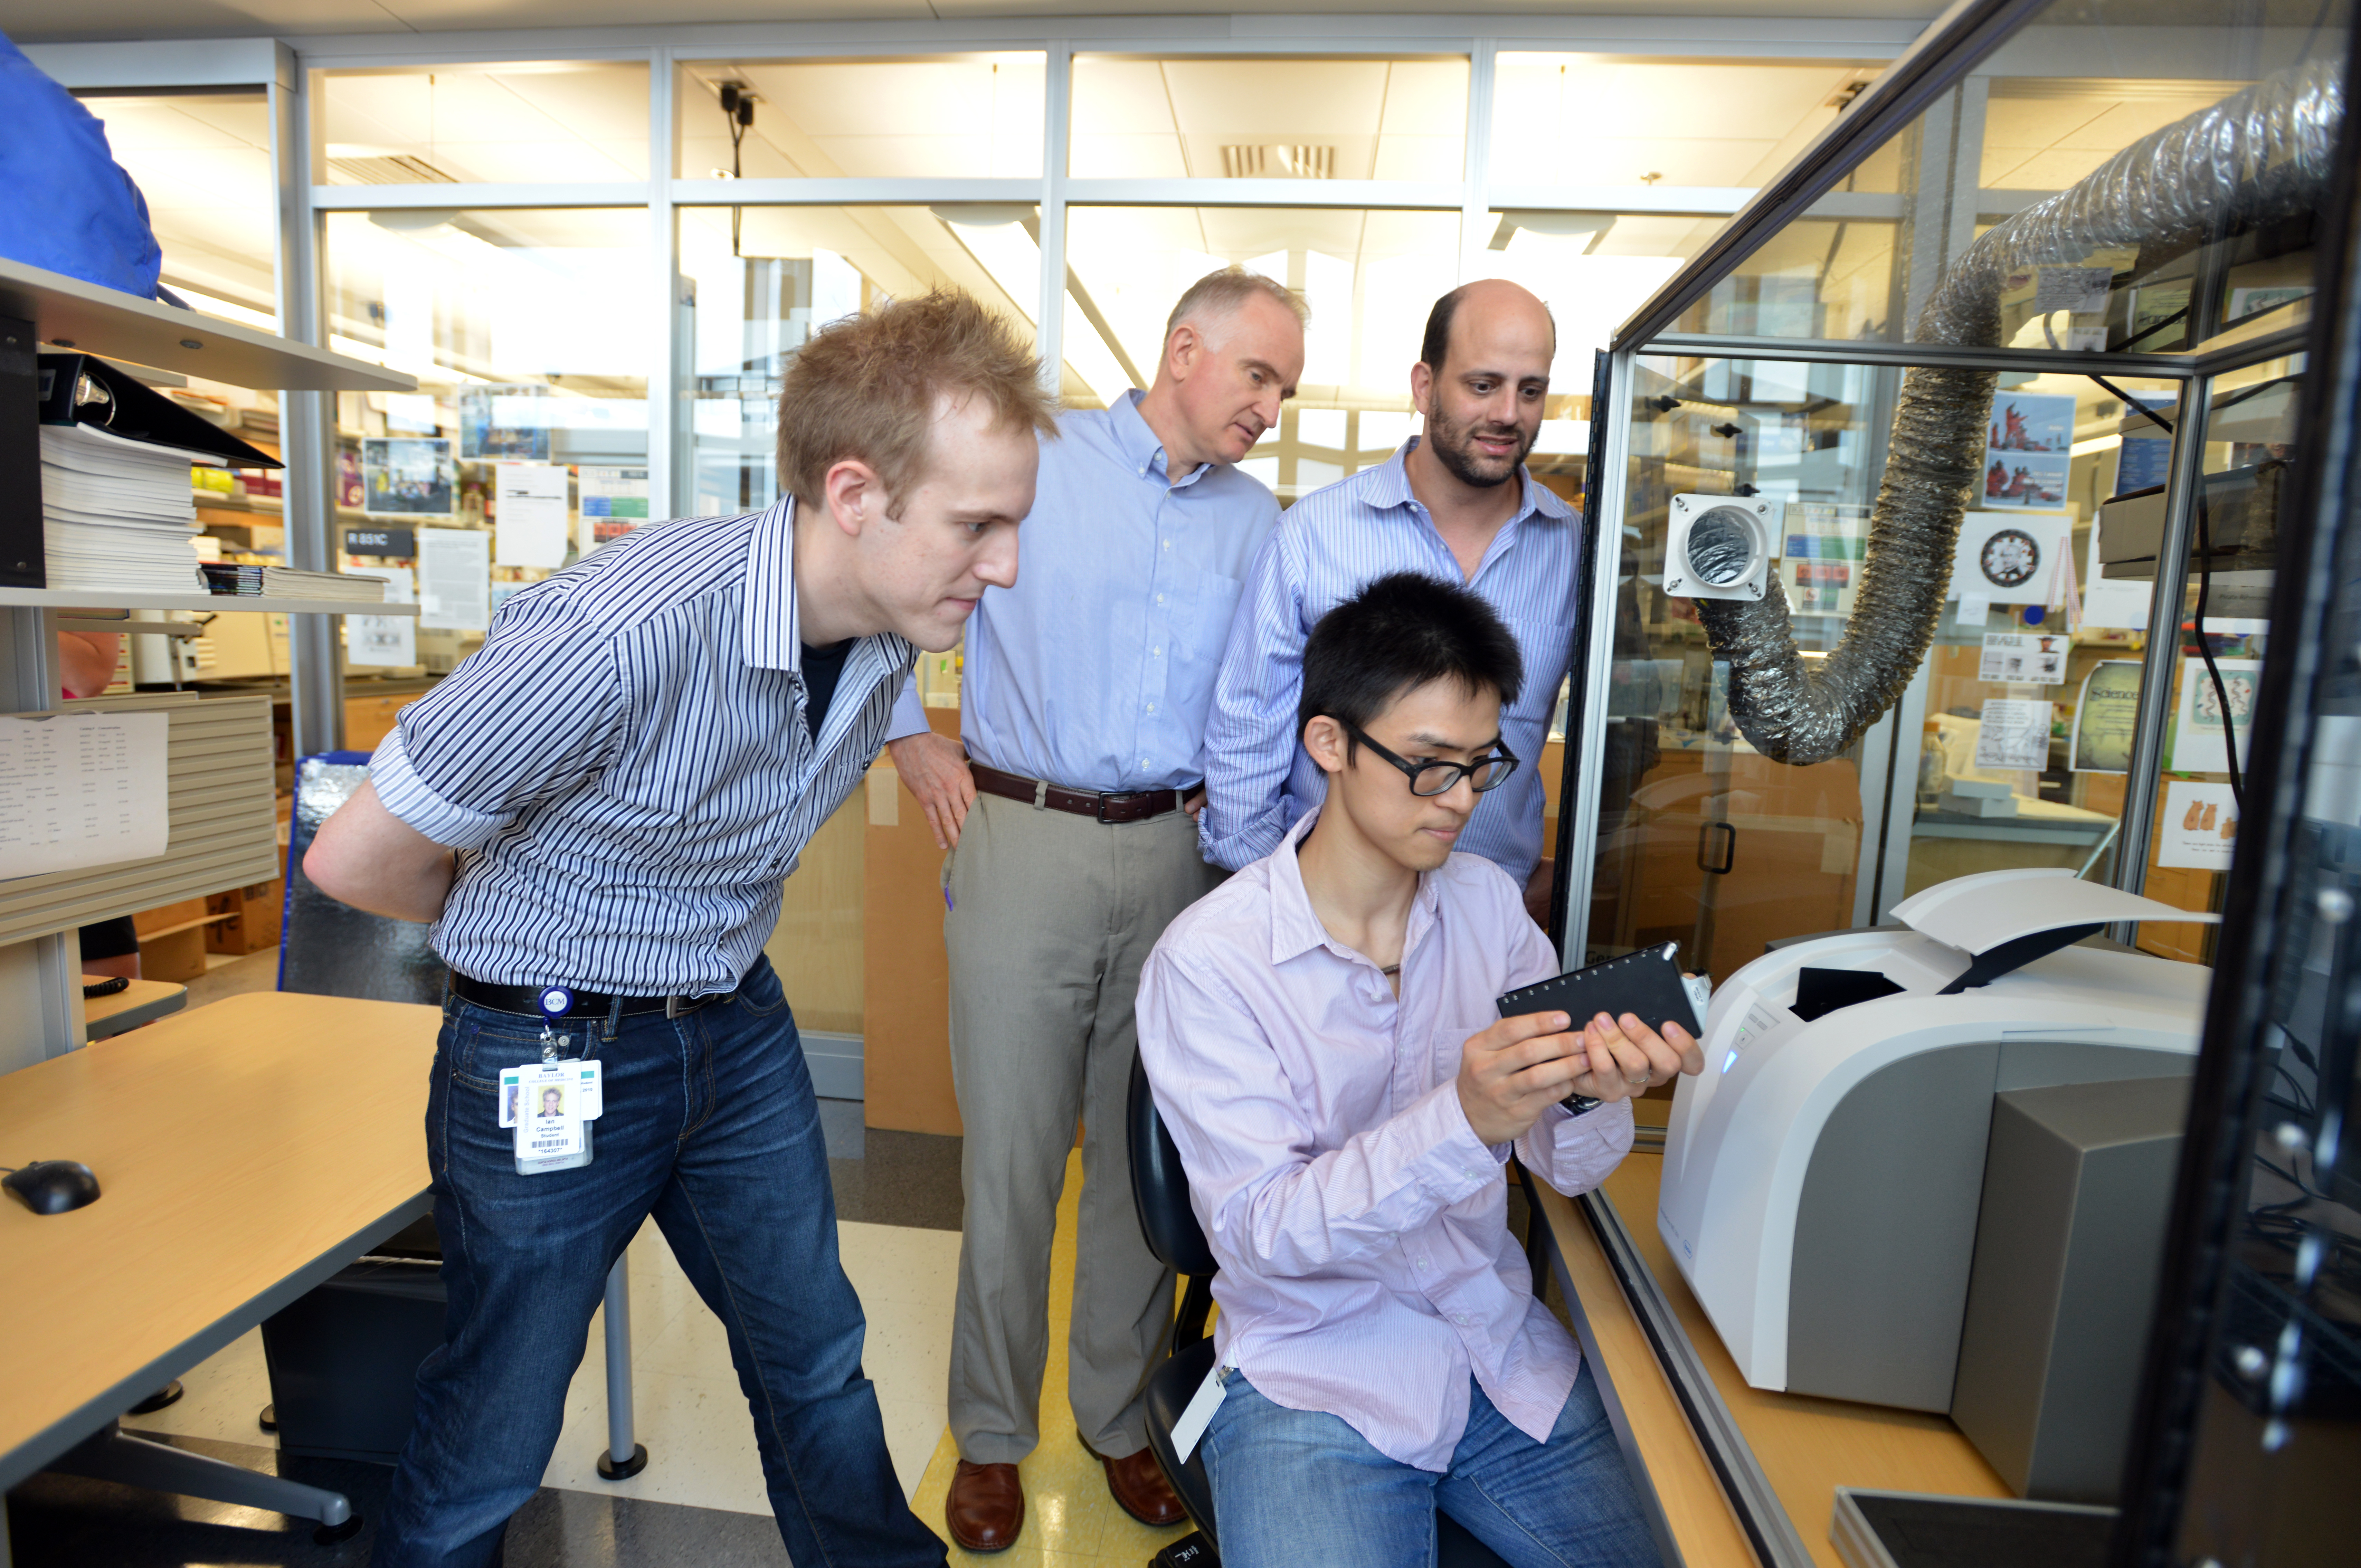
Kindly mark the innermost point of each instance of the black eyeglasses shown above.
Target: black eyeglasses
(1440, 778)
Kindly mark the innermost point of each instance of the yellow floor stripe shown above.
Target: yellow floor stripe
(1069, 1519)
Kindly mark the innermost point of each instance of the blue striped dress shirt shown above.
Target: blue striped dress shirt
(1330, 544)
(1096, 670)
(624, 766)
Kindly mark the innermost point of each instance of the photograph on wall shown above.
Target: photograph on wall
(408, 476)
(2199, 745)
(2199, 826)
(2035, 481)
(497, 424)
(2010, 560)
(2031, 422)
(2103, 717)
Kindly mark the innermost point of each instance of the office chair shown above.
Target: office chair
(1159, 1191)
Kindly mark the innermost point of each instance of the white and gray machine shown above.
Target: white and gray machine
(1823, 1176)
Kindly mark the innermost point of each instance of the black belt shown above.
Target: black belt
(526, 999)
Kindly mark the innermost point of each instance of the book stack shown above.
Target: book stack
(286, 582)
(115, 513)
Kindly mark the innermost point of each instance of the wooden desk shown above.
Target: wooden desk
(244, 1152)
(1805, 1448)
(144, 1002)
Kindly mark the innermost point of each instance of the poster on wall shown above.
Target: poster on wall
(384, 641)
(408, 476)
(455, 579)
(2199, 828)
(614, 502)
(2014, 733)
(2198, 743)
(1820, 566)
(2038, 658)
(531, 503)
(2103, 717)
(2010, 560)
(2025, 481)
(483, 436)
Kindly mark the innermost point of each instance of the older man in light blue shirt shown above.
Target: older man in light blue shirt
(1068, 814)
(1456, 503)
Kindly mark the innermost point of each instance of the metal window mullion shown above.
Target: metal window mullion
(485, 195)
(1398, 194)
(667, 382)
(1579, 808)
(1477, 168)
(850, 190)
(308, 420)
(2159, 662)
(1057, 136)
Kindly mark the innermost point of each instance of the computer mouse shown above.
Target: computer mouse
(52, 1186)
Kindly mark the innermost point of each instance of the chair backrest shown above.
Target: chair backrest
(327, 949)
(1159, 1188)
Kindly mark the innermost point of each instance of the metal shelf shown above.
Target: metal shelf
(124, 599)
(114, 326)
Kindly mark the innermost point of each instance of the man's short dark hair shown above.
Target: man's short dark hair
(1398, 632)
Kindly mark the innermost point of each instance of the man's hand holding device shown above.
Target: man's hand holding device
(1520, 1067)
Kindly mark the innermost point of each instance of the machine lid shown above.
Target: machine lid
(1977, 914)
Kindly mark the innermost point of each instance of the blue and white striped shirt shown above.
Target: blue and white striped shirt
(624, 766)
(1331, 544)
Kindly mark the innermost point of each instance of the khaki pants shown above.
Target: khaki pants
(1052, 917)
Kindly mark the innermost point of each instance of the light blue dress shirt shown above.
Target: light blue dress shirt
(1096, 669)
(1334, 541)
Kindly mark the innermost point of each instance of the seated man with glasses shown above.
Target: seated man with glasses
(1324, 1043)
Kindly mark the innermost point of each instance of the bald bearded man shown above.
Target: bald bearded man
(1456, 503)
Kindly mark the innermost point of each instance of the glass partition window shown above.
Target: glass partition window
(973, 117)
(1369, 277)
(1694, 122)
(2049, 109)
(525, 425)
(541, 120)
(760, 280)
(1230, 117)
(202, 162)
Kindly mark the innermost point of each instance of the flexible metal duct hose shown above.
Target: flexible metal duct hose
(2257, 156)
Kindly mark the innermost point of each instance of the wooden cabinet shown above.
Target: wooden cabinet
(906, 1053)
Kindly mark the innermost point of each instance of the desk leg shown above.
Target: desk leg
(133, 1460)
(625, 1458)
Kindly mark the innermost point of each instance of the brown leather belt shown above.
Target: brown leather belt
(1134, 806)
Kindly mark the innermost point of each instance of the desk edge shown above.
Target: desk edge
(37, 1450)
(1760, 1515)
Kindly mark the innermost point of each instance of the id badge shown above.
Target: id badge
(549, 1106)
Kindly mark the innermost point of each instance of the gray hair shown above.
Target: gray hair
(1218, 295)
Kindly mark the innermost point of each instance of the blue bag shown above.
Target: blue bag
(65, 204)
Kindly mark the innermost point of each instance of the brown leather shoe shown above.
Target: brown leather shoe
(986, 1506)
(1139, 1486)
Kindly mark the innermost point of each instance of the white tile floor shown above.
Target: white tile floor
(689, 1412)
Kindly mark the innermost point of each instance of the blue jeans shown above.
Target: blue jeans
(710, 1125)
(1301, 1488)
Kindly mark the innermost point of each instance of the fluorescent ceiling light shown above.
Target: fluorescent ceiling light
(1554, 226)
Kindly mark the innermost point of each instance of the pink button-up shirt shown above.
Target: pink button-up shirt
(1362, 1230)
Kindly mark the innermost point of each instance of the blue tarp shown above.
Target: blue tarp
(65, 204)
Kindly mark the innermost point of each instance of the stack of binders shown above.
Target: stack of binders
(116, 508)
(115, 513)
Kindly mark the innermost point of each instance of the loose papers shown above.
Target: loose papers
(455, 579)
(533, 514)
(82, 789)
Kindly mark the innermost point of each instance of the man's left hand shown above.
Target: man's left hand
(1195, 803)
(1626, 1058)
